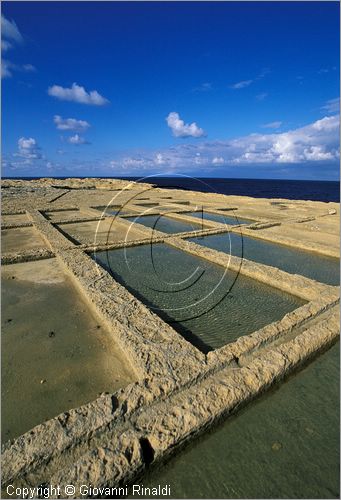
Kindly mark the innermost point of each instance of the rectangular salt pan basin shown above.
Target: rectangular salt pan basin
(294, 261)
(111, 210)
(206, 304)
(55, 355)
(165, 224)
(232, 219)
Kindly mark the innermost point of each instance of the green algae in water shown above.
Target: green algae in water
(165, 224)
(285, 445)
(294, 261)
(207, 304)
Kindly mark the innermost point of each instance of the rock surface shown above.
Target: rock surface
(180, 391)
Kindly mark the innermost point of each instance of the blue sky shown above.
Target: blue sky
(227, 89)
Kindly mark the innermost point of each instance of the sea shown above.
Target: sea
(257, 188)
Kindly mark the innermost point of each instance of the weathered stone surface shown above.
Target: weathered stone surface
(167, 424)
(26, 256)
(180, 391)
(292, 283)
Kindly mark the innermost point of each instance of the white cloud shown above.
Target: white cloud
(159, 160)
(242, 84)
(77, 94)
(332, 106)
(7, 68)
(9, 30)
(247, 83)
(11, 36)
(317, 153)
(180, 129)
(272, 125)
(218, 160)
(316, 142)
(326, 124)
(29, 149)
(5, 45)
(315, 145)
(77, 139)
(70, 124)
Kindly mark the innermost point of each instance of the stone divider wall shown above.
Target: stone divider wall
(180, 392)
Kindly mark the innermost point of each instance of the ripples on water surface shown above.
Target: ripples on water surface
(207, 305)
(294, 261)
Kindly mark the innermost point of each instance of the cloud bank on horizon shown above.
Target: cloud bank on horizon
(316, 142)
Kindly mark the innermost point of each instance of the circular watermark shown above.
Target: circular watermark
(173, 280)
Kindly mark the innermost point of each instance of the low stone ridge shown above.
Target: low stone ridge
(180, 391)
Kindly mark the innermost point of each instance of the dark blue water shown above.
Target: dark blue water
(257, 188)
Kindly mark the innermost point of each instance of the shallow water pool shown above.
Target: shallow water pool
(285, 445)
(207, 304)
(232, 219)
(294, 261)
(164, 224)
